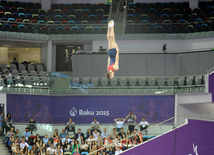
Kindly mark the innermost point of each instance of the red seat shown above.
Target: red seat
(18, 20)
(33, 21)
(174, 21)
(136, 21)
(98, 21)
(64, 22)
(159, 21)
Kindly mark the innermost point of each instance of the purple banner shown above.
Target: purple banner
(195, 138)
(58, 109)
(211, 85)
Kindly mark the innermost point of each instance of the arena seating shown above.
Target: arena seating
(29, 77)
(172, 17)
(60, 19)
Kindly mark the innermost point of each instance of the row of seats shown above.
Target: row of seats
(34, 18)
(21, 12)
(137, 82)
(21, 67)
(54, 30)
(81, 6)
(20, 4)
(151, 18)
(175, 17)
(159, 5)
(170, 28)
(27, 81)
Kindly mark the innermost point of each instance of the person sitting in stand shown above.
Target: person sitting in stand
(26, 133)
(70, 126)
(79, 134)
(66, 139)
(104, 133)
(32, 125)
(63, 134)
(95, 125)
(144, 125)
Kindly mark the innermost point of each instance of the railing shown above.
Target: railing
(63, 84)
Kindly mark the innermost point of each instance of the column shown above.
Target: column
(49, 56)
(46, 4)
(193, 4)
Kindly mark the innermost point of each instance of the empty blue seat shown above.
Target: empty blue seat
(57, 22)
(91, 21)
(198, 19)
(4, 18)
(77, 22)
(182, 21)
(11, 19)
(144, 21)
(130, 16)
(21, 14)
(21, 28)
(85, 10)
(41, 22)
(42, 17)
(74, 29)
(57, 16)
(104, 21)
(70, 22)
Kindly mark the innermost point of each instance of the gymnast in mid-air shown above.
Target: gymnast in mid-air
(113, 53)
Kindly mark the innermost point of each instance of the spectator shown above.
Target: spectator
(14, 145)
(45, 139)
(26, 133)
(36, 139)
(10, 133)
(118, 150)
(58, 150)
(15, 62)
(119, 122)
(96, 134)
(131, 119)
(8, 79)
(104, 133)
(23, 144)
(121, 133)
(40, 144)
(7, 124)
(76, 152)
(47, 145)
(79, 134)
(99, 140)
(107, 140)
(17, 150)
(78, 50)
(18, 134)
(66, 146)
(32, 127)
(70, 126)
(144, 125)
(9, 118)
(164, 48)
(129, 134)
(51, 150)
(83, 146)
(90, 139)
(88, 133)
(95, 125)
(76, 145)
(55, 134)
(63, 134)
(1, 123)
(114, 132)
(66, 139)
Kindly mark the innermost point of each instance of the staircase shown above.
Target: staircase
(118, 20)
(3, 148)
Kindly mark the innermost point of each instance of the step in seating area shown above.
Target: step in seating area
(169, 17)
(69, 18)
